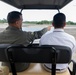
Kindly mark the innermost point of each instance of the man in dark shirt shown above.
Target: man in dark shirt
(13, 34)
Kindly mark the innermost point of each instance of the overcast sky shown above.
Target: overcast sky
(37, 15)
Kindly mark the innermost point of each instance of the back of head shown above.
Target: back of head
(59, 20)
(13, 16)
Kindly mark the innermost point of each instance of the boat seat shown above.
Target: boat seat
(44, 54)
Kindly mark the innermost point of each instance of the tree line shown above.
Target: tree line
(47, 22)
(39, 22)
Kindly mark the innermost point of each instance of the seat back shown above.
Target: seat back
(3, 55)
(41, 54)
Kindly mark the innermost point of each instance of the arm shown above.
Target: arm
(37, 34)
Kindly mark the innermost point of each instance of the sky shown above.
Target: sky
(38, 15)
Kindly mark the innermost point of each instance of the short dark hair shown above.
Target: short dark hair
(58, 20)
(13, 16)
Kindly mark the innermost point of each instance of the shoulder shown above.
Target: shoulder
(69, 36)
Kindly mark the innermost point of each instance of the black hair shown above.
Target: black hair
(58, 20)
(13, 16)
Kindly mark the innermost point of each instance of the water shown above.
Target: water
(31, 29)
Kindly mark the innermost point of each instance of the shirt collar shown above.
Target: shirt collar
(13, 28)
(58, 30)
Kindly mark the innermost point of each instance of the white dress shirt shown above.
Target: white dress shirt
(59, 37)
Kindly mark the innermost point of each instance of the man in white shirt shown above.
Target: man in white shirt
(58, 37)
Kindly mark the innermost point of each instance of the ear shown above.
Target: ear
(64, 24)
(52, 24)
(16, 22)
